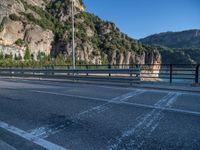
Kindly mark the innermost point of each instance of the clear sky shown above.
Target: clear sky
(140, 18)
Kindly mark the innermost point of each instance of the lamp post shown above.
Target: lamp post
(73, 38)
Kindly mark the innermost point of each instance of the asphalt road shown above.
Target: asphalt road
(37, 115)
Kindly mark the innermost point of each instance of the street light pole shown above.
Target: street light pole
(73, 38)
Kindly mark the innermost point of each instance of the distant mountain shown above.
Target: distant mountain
(177, 47)
(184, 39)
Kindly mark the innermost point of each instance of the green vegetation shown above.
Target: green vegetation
(19, 42)
(27, 55)
(184, 39)
(14, 17)
(180, 56)
(58, 4)
(42, 62)
(46, 21)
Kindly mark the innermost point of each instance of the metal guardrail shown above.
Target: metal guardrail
(108, 75)
(184, 73)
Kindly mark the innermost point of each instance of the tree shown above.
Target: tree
(1, 55)
(58, 4)
(27, 55)
(41, 56)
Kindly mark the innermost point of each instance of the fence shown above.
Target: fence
(185, 73)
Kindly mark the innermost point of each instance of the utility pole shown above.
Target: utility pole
(73, 38)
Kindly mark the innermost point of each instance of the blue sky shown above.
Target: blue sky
(140, 18)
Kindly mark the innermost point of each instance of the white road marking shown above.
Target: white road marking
(164, 109)
(146, 125)
(69, 95)
(44, 132)
(119, 99)
(39, 141)
(127, 103)
(47, 130)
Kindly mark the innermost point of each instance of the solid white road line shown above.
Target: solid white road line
(189, 112)
(69, 95)
(39, 141)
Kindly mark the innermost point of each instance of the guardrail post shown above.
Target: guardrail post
(68, 67)
(87, 69)
(52, 69)
(46, 68)
(109, 67)
(137, 72)
(197, 74)
(131, 80)
(22, 67)
(171, 73)
(10, 71)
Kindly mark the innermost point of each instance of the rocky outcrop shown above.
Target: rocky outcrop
(34, 37)
(38, 39)
(11, 7)
(14, 52)
(150, 71)
(39, 3)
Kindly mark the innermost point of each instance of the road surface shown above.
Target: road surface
(37, 115)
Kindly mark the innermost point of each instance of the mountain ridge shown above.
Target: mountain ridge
(175, 39)
(181, 47)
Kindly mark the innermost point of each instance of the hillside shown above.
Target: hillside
(177, 47)
(43, 28)
(184, 39)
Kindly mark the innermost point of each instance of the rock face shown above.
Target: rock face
(44, 26)
(36, 38)
(14, 51)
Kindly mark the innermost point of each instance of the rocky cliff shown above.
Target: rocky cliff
(44, 26)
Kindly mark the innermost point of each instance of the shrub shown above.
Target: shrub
(41, 56)
(58, 4)
(19, 42)
(14, 17)
(27, 55)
